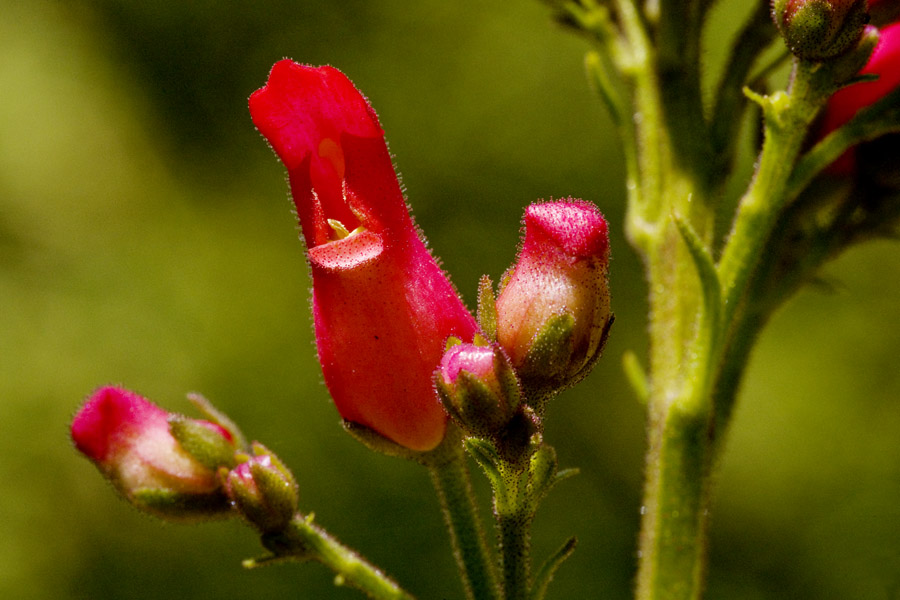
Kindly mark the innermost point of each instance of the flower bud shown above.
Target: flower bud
(553, 313)
(263, 490)
(478, 387)
(162, 463)
(820, 29)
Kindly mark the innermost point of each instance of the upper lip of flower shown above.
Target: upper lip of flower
(309, 115)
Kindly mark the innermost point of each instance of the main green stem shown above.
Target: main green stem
(454, 489)
(682, 417)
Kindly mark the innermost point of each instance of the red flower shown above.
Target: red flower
(554, 312)
(130, 440)
(845, 103)
(382, 307)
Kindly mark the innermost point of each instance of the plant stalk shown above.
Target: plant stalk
(454, 489)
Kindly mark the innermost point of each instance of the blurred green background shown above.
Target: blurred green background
(146, 239)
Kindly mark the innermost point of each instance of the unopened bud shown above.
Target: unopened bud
(263, 490)
(553, 313)
(162, 463)
(819, 30)
(478, 388)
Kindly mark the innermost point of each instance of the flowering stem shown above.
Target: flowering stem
(515, 544)
(303, 540)
(514, 517)
(683, 430)
(454, 489)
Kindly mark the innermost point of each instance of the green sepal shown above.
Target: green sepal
(377, 442)
(445, 451)
(208, 447)
(176, 506)
(543, 469)
(545, 574)
(211, 413)
(485, 455)
(452, 341)
(552, 347)
(482, 412)
(487, 308)
(277, 487)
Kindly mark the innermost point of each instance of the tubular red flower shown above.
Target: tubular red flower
(382, 307)
(845, 103)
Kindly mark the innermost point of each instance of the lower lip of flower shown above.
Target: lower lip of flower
(349, 252)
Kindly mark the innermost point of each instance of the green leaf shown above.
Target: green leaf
(548, 569)
(636, 376)
(709, 280)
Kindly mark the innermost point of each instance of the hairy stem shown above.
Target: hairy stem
(454, 489)
(303, 540)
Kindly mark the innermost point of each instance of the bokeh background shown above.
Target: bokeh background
(146, 239)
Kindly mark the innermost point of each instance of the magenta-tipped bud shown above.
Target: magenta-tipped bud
(162, 463)
(553, 313)
(478, 387)
(820, 29)
(263, 490)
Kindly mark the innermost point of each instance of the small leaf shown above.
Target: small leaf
(709, 279)
(636, 376)
(548, 569)
(599, 79)
(566, 474)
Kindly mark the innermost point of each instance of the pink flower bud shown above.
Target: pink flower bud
(553, 314)
(382, 307)
(846, 102)
(820, 29)
(263, 490)
(130, 440)
(478, 387)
